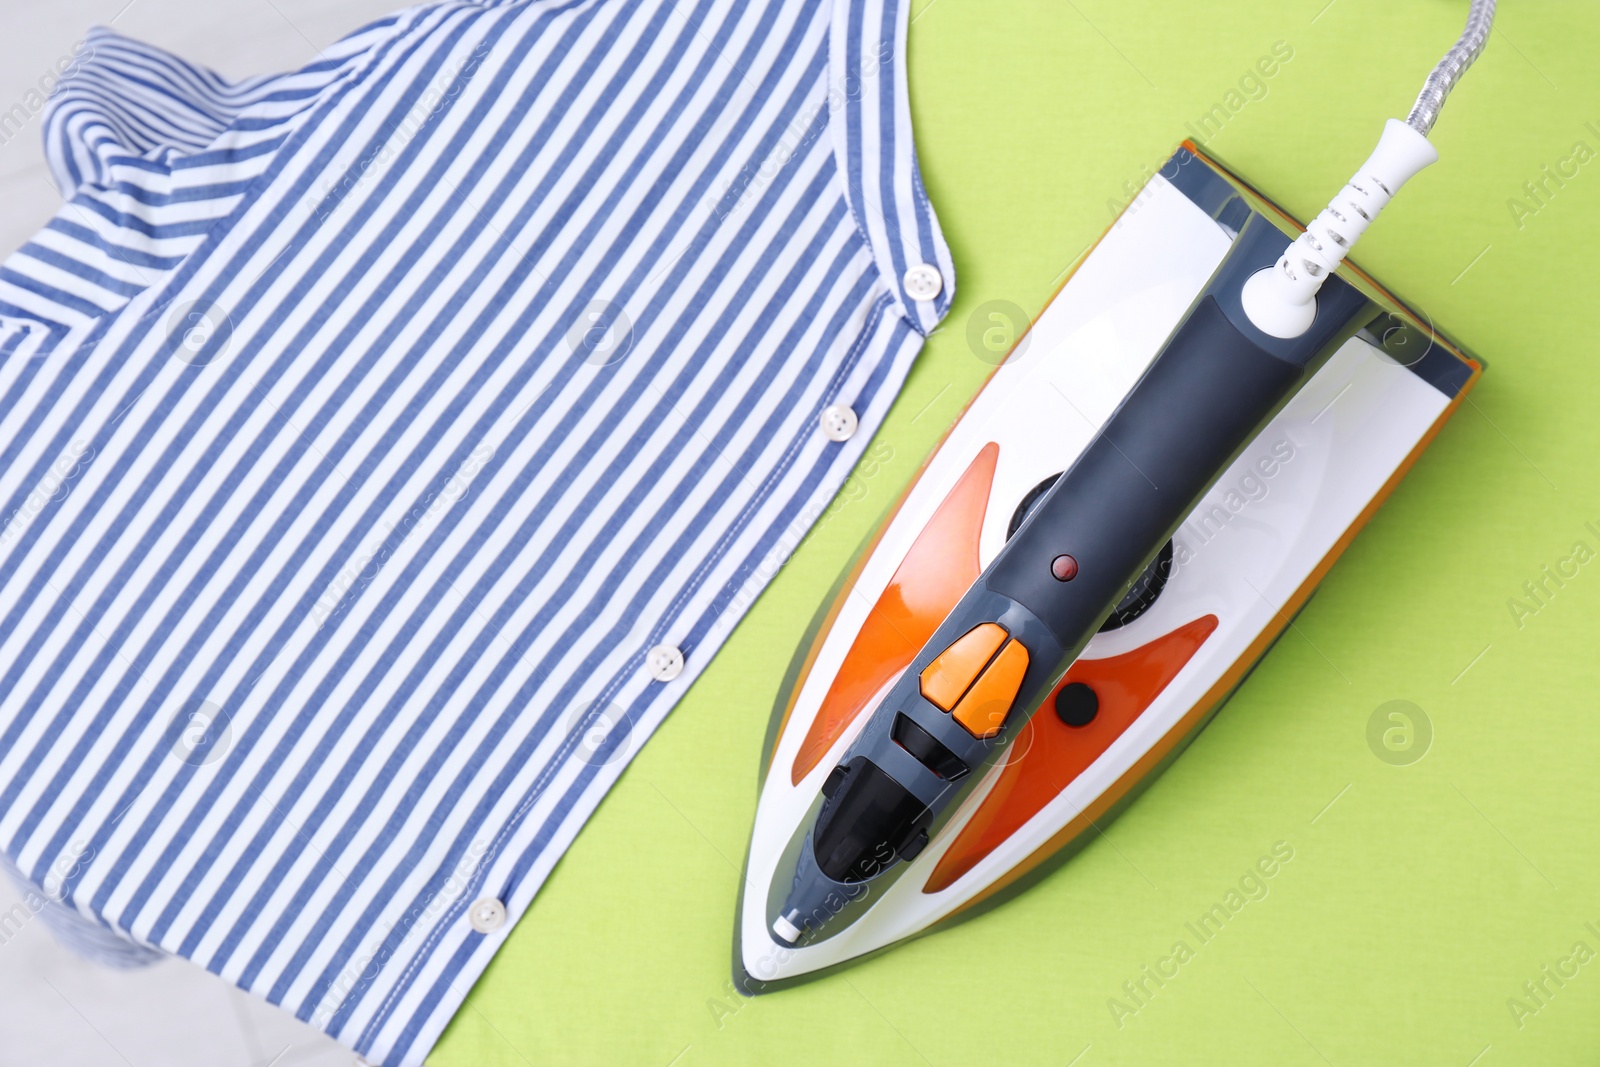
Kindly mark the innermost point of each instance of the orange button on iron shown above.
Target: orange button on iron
(946, 678)
(984, 709)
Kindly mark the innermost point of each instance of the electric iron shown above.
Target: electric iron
(1116, 530)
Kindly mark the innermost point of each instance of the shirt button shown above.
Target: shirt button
(923, 282)
(664, 663)
(487, 915)
(839, 423)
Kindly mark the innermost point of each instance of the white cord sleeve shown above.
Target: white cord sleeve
(1281, 300)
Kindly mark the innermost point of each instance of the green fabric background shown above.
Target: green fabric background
(1420, 901)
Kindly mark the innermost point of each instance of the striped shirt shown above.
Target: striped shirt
(378, 440)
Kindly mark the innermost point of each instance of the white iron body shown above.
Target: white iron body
(1247, 558)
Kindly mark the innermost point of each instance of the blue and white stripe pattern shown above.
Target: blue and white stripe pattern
(363, 429)
(81, 935)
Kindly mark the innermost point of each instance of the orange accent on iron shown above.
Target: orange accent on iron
(983, 711)
(957, 667)
(941, 566)
(1054, 754)
(1241, 666)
